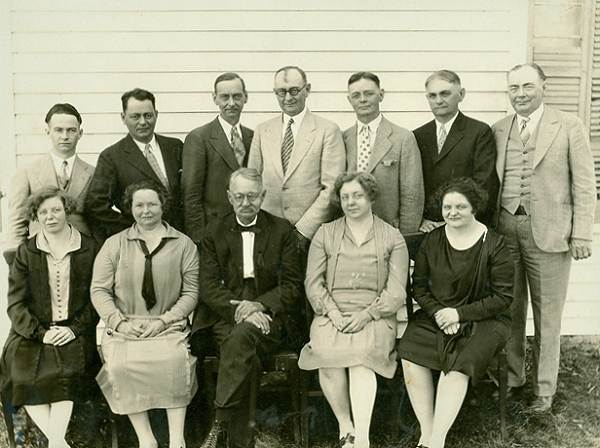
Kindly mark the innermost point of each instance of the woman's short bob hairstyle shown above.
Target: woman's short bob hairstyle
(37, 198)
(366, 181)
(466, 186)
(163, 195)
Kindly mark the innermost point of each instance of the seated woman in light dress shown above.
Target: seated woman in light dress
(50, 359)
(463, 281)
(355, 282)
(145, 285)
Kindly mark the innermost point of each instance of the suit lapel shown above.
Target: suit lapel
(221, 145)
(261, 239)
(350, 143)
(135, 158)
(430, 148)
(80, 176)
(169, 156)
(46, 176)
(547, 130)
(456, 134)
(247, 135)
(382, 144)
(304, 139)
(502, 131)
(272, 144)
(234, 243)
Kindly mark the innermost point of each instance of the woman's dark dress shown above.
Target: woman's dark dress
(478, 282)
(32, 372)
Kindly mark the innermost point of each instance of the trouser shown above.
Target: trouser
(547, 275)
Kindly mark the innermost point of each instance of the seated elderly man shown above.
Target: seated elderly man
(250, 278)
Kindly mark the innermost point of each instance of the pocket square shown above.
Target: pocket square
(388, 162)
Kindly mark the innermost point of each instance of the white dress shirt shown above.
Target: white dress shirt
(295, 125)
(227, 128)
(534, 119)
(58, 164)
(447, 125)
(248, 248)
(373, 125)
(155, 149)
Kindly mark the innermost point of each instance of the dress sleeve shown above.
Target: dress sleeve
(316, 282)
(501, 280)
(393, 295)
(421, 274)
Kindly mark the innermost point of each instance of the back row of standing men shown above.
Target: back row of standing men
(536, 166)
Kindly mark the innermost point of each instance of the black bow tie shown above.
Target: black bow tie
(240, 228)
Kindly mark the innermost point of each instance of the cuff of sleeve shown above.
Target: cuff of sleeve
(114, 321)
(374, 312)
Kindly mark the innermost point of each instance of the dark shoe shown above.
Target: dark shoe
(216, 436)
(541, 405)
(347, 441)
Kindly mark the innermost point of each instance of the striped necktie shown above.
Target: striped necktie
(524, 131)
(154, 165)
(442, 134)
(287, 145)
(238, 146)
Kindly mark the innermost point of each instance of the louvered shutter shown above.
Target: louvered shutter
(595, 103)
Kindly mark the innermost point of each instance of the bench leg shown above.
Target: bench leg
(502, 390)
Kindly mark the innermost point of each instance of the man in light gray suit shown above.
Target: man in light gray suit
(546, 211)
(60, 167)
(299, 155)
(388, 152)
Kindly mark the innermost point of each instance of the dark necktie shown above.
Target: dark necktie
(148, 292)
(287, 145)
(240, 228)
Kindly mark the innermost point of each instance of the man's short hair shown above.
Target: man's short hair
(364, 75)
(288, 68)
(63, 108)
(228, 76)
(246, 173)
(445, 75)
(138, 94)
(533, 65)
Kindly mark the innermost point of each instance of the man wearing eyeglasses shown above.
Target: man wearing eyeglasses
(388, 152)
(299, 155)
(211, 153)
(250, 280)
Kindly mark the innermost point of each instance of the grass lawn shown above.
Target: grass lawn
(573, 423)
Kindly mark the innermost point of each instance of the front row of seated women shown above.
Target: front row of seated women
(144, 286)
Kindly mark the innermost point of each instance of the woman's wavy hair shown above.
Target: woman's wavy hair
(163, 194)
(366, 181)
(36, 199)
(466, 186)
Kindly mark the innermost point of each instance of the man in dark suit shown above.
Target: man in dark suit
(211, 153)
(140, 155)
(250, 279)
(454, 145)
(388, 152)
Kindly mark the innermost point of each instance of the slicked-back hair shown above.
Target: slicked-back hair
(367, 182)
(533, 65)
(466, 186)
(62, 108)
(445, 75)
(36, 199)
(228, 76)
(246, 173)
(138, 94)
(288, 68)
(161, 192)
(364, 75)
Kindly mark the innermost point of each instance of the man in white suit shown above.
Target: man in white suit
(299, 155)
(546, 211)
(60, 167)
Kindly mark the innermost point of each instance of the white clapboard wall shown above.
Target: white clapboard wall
(90, 52)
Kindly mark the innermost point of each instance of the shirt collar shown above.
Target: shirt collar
(373, 124)
(534, 118)
(227, 127)
(297, 118)
(152, 143)
(447, 125)
(253, 223)
(74, 243)
(133, 232)
(58, 161)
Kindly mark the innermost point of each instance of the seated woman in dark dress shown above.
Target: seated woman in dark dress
(50, 359)
(463, 282)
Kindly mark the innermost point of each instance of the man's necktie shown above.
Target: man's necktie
(148, 292)
(441, 138)
(524, 132)
(238, 146)
(287, 145)
(63, 178)
(154, 165)
(364, 149)
(240, 228)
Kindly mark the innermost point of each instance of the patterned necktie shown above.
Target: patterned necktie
(154, 165)
(238, 146)
(364, 149)
(148, 292)
(524, 132)
(287, 145)
(441, 138)
(63, 178)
